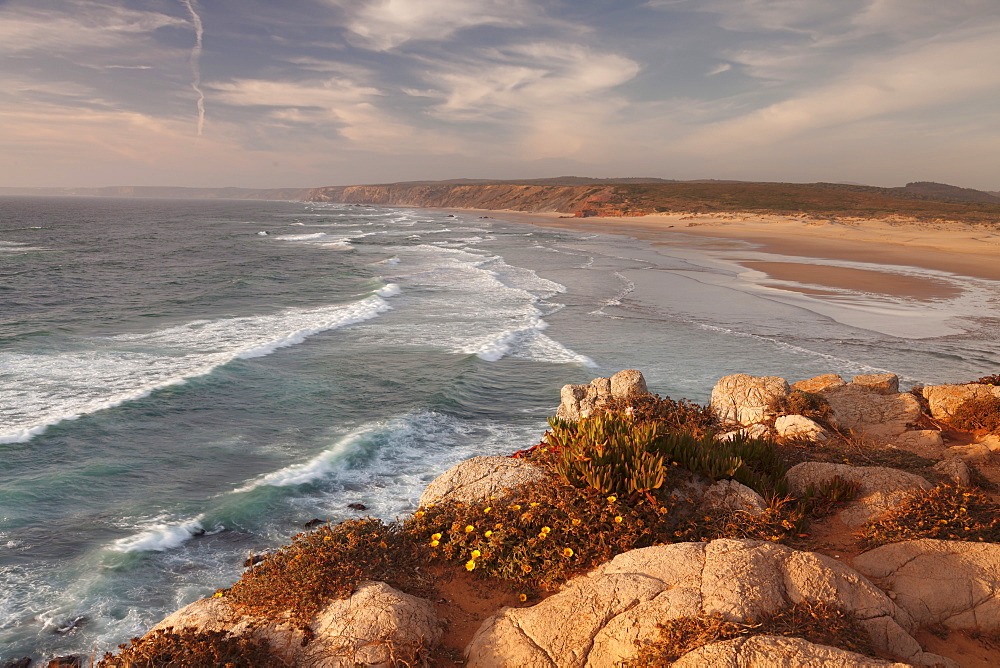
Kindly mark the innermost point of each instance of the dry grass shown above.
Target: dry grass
(945, 512)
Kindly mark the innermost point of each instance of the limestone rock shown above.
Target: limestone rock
(745, 400)
(374, 624)
(596, 618)
(732, 495)
(946, 582)
(883, 383)
(578, 401)
(799, 426)
(880, 488)
(924, 442)
(943, 400)
(973, 453)
(955, 469)
(776, 652)
(818, 383)
(991, 441)
(866, 411)
(479, 478)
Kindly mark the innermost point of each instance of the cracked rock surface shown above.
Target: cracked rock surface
(479, 478)
(948, 582)
(776, 652)
(595, 619)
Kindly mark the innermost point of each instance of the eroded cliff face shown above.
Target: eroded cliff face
(593, 200)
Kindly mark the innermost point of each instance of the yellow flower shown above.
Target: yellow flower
(567, 552)
(435, 536)
(419, 513)
(488, 533)
(523, 598)
(576, 521)
(487, 509)
(476, 554)
(618, 519)
(526, 568)
(542, 535)
(470, 565)
(533, 504)
(217, 594)
(498, 526)
(327, 537)
(515, 507)
(612, 498)
(435, 543)
(546, 529)
(469, 528)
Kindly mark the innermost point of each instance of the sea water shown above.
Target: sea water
(184, 383)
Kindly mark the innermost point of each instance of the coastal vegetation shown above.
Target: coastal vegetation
(634, 474)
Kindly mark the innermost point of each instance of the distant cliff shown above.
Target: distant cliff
(641, 197)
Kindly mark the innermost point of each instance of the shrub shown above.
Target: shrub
(799, 402)
(323, 565)
(986, 380)
(669, 415)
(978, 413)
(192, 648)
(945, 512)
(819, 623)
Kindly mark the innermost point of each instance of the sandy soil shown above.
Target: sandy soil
(952, 247)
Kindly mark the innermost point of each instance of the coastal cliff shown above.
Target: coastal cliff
(822, 522)
(916, 201)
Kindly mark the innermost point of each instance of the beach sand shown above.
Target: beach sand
(956, 248)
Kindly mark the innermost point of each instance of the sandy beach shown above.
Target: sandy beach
(956, 248)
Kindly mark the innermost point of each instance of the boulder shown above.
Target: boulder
(774, 652)
(369, 628)
(732, 495)
(947, 582)
(883, 383)
(744, 400)
(880, 489)
(869, 412)
(818, 383)
(991, 441)
(956, 470)
(924, 442)
(479, 478)
(943, 400)
(596, 619)
(578, 401)
(973, 453)
(799, 426)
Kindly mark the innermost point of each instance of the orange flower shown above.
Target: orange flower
(618, 519)
(435, 536)
(469, 528)
(523, 598)
(470, 565)
(567, 552)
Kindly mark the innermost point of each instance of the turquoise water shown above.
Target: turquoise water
(184, 383)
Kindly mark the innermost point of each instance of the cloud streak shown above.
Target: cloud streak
(199, 33)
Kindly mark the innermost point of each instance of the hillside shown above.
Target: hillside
(924, 201)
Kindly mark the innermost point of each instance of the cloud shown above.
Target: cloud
(720, 68)
(386, 24)
(938, 73)
(77, 25)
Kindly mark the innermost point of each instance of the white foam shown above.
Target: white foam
(390, 290)
(160, 536)
(301, 237)
(39, 390)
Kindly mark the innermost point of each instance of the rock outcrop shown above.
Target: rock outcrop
(479, 478)
(578, 401)
(947, 582)
(743, 400)
(370, 627)
(872, 411)
(596, 619)
(776, 652)
(880, 488)
(801, 427)
(944, 400)
(818, 383)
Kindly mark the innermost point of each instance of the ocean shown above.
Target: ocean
(184, 383)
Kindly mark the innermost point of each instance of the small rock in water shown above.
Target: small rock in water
(70, 625)
(357, 506)
(254, 560)
(18, 663)
(314, 522)
(70, 661)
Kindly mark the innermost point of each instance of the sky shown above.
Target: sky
(304, 93)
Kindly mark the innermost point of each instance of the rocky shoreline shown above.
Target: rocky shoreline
(923, 601)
